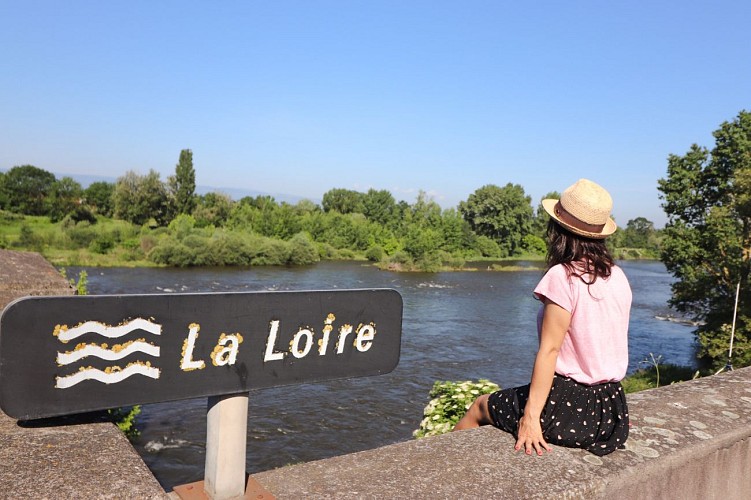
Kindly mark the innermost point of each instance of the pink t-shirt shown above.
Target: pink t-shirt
(595, 348)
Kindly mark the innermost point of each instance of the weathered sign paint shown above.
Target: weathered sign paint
(62, 355)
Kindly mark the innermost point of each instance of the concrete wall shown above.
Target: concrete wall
(688, 441)
(73, 457)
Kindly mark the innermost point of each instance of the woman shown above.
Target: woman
(575, 398)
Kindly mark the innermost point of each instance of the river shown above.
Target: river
(456, 326)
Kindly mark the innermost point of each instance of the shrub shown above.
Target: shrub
(534, 244)
(82, 234)
(271, 253)
(302, 250)
(400, 257)
(326, 251)
(488, 247)
(102, 243)
(172, 253)
(375, 253)
(229, 249)
(450, 402)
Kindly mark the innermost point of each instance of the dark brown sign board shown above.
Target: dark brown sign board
(64, 355)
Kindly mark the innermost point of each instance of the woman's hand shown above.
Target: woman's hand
(530, 436)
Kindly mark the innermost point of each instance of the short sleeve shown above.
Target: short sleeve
(556, 286)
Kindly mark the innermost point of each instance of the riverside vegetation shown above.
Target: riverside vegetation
(141, 221)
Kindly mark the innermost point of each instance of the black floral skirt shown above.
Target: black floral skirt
(593, 417)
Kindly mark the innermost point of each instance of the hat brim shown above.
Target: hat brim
(607, 229)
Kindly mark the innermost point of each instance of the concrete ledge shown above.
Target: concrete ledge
(75, 457)
(689, 440)
(71, 458)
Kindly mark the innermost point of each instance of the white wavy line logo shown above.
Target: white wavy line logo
(65, 334)
(106, 378)
(66, 358)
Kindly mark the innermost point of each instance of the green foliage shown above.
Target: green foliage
(102, 243)
(487, 247)
(534, 244)
(657, 375)
(450, 401)
(183, 183)
(66, 195)
(707, 197)
(81, 234)
(302, 250)
(99, 196)
(502, 214)
(25, 189)
(125, 419)
(344, 201)
(212, 209)
(81, 285)
(139, 198)
(378, 206)
(180, 229)
(375, 253)
(27, 238)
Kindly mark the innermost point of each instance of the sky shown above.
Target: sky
(299, 97)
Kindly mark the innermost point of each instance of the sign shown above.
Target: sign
(63, 355)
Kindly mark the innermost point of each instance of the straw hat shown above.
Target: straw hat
(584, 209)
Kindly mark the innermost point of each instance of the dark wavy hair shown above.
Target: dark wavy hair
(584, 258)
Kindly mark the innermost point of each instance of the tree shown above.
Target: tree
(26, 189)
(378, 206)
(502, 214)
(213, 209)
(183, 184)
(344, 201)
(638, 233)
(65, 196)
(99, 197)
(140, 198)
(541, 217)
(707, 240)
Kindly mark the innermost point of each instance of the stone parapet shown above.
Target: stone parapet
(82, 456)
(688, 440)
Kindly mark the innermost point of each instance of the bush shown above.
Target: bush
(534, 244)
(228, 249)
(326, 251)
(82, 234)
(450, 402)
(302, 250)
(102, 244)
(172, 253)
(488, 247)
(271, 253)
(400, 257)
(375, 253)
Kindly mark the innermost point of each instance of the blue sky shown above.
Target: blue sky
(298, 97)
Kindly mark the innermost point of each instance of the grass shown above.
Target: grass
(647, 378)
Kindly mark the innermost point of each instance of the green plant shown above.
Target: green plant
(125, 419)
(450, 402)
(81, 285)
(647, 378)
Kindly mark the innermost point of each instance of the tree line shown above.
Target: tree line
(175, 226)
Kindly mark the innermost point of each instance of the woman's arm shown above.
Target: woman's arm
(555, 323)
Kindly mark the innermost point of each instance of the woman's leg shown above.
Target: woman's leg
(476, 416)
